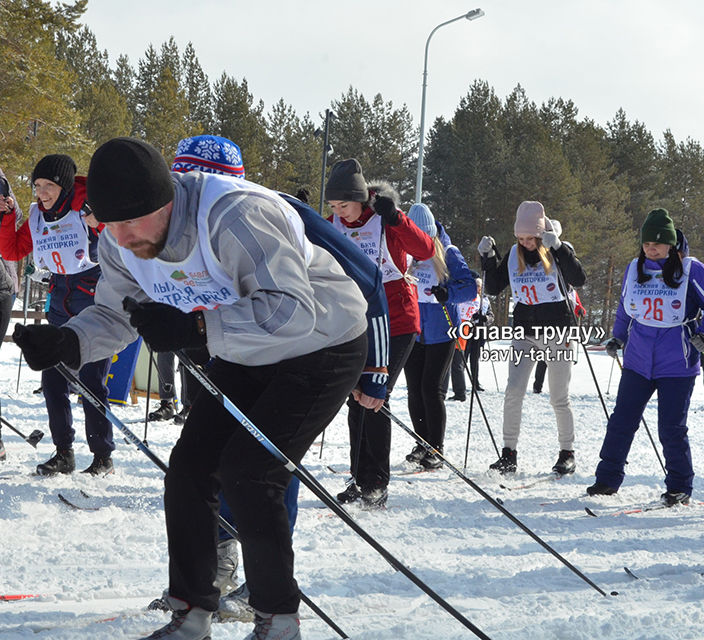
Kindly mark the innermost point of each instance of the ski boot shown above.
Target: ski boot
(507, 463)
(62, 461)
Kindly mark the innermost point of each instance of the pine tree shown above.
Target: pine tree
(348, 131)
(147, 78)
(634, 155)
(167, 120)
(197, 88)
(681, 166)
(237, 117)
(306, 156)
(170, 57)
(380, 136)
(125, 77)
(36, 111)
(293, 153)
(600, 228)
(464, 173)
(104, 112)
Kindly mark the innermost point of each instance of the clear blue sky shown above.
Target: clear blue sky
(642, 55)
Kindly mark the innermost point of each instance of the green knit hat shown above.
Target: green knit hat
(658, 227)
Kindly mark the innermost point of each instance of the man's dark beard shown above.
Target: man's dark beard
(148, 250)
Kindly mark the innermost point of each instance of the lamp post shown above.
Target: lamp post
(327, 149)
(470, 15)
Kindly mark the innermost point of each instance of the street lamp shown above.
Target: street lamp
(470, 15)
(327, 149)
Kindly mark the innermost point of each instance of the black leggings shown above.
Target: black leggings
(370, 433)
(425, 370)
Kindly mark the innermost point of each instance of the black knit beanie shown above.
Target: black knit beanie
(658, 227)
(346, 182)
(57, 167)
(127, 178)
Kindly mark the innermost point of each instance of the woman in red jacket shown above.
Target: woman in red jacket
(62, 234)
(368, 214)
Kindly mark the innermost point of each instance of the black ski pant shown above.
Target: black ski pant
(460, 359)
(370, 433)
(189, 385)
(425, 370)
(56, 391)
(6, 303)
(165, 369)
(290, 402)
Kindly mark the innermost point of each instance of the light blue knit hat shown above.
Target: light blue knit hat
(424, 219)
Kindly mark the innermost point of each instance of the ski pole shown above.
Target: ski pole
(25, 309)
(645, 424)
(322, 444)
(596, 383)
(488, 342)
(32, 439)
(572, 315)
(309, 481)
(493, 368)
(358, 444)
(144, 448)
(475, 393)
(570, 309)
(493, 502)
(469, 423)
(149, 391)
(608, 387)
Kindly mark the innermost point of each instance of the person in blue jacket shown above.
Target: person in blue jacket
(443, 281)
(656, 326)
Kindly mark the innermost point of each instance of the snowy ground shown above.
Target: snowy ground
(94, 571)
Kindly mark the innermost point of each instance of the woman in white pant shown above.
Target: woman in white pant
(532, 269)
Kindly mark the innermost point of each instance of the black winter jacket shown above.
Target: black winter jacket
(547, 314)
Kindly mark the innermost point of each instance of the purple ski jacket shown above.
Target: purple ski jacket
(663, 353)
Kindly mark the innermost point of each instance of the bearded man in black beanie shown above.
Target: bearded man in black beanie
(59, 231)
(287, 330)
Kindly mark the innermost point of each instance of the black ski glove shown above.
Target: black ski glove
(697, 341)
(479, 319)
(386, 208)
(441, 293)
(612, 347)
(166, 328)
(45, 345)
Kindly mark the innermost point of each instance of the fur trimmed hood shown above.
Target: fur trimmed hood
(384, 188)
